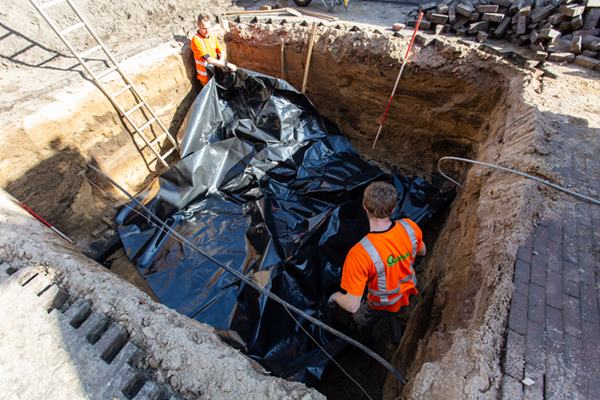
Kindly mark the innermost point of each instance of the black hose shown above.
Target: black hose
(241, 277)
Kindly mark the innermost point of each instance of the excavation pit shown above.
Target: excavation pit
(453, 100)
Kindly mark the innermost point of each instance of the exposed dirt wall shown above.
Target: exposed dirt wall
(438, 109)
(44, 152)
(452, 100)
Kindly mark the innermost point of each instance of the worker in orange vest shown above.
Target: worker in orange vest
(206, 51)
(382, 261)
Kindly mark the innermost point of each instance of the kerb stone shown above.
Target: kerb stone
(587, 62)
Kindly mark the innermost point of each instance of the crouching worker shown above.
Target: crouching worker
(206, 51)
(382, 261)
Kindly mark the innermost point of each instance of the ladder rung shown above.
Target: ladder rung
(71, 29)
(168, 153)
(90, 51)
(108, 71)
(158, 139)
(138, 105)
(121, 91)
(50, 4)
(147, 124)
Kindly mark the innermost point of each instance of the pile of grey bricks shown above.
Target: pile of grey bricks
(559, 31)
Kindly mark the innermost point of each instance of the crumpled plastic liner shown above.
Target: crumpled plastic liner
(267, 186)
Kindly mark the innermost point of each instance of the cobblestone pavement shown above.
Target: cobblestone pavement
(553, 335)
(87, 355)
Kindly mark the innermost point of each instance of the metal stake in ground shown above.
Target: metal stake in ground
(251, 283)
(398, 79)
(62, 235)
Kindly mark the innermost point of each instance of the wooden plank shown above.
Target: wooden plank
(255, 12)
(316, 14)
(282, 69)
(287, 10)
(308, 56)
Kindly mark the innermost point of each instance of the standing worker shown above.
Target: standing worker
(382, 261)
(206, 51)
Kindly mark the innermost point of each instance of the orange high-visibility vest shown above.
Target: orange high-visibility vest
(202, 46)
(384, 296)
(383, 261)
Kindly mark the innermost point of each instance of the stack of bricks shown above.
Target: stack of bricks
(559, 30)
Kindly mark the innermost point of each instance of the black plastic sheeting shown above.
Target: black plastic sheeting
(271, 188)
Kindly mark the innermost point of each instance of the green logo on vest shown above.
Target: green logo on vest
(391, 260)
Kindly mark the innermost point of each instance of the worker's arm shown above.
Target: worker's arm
(423, 250)
(348, 302)
(219, 63)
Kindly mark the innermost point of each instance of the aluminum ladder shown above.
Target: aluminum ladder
(149, 117)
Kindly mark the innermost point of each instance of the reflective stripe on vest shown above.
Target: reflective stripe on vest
(380, 267)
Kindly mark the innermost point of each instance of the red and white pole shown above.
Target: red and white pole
(398, 79)
(38, 217)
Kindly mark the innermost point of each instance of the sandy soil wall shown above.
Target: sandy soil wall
(45, 150)
(453, 100)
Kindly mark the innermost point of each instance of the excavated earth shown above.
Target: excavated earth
(453, 100)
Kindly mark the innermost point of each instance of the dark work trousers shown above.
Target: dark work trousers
(367, 316)
(197, 85)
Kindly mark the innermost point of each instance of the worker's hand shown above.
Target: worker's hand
(331, 302)
(231, 67)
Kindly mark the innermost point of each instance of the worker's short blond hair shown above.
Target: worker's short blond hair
(380, 199)
(203, 17)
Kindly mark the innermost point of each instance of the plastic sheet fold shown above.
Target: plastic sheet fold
(271, 188)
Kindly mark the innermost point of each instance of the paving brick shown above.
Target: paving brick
(54, 297)
(584, 237)
(569, 222)
(524, 252)
(514, 359)
(512, 389)
(596, 232)
(537, 303)
(554, 290)
(538, 268)
(555, 231)
(535, 353)
(536, 391)
(521, 279)
(572, 315)
(517, 319)
(554, 329)
(571, 279)
(111, 342)
(540, 242)
(555, 348)
(574, 378)
(584, 215)
(591, 357)
(589, 303)
(570, 248)
(588, 265)
(555, 257)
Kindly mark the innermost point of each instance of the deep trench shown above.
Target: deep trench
(432, 115)
(421, 127)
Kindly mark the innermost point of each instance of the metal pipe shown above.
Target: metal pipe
(514, 172)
